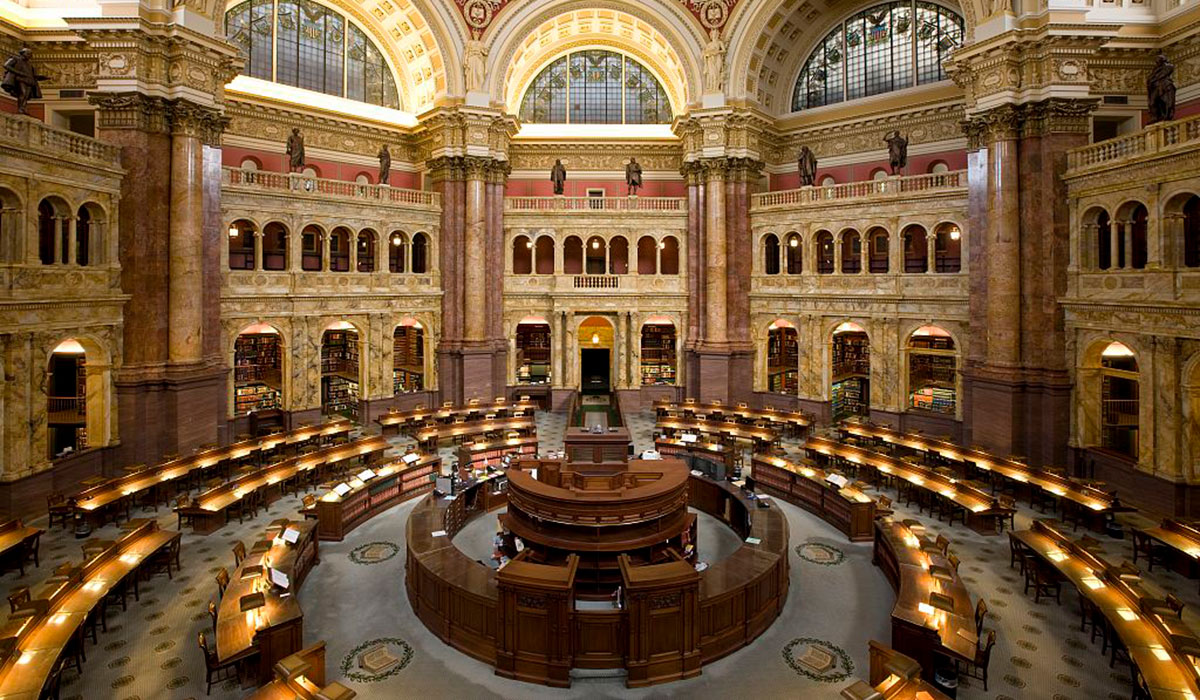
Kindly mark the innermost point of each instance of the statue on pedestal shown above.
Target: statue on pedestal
(633, 176)
(21, 79)
(558, 175)
(474, 65)
(897, 151)
(807, 166)
(295, 151)
(385, 165)
(1160, 90)
(714, 61)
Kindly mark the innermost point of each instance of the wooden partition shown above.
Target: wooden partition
(536, 602)
(661, 607)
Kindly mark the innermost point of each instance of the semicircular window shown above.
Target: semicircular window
(304, 44)
(595, 87)
(879, 50)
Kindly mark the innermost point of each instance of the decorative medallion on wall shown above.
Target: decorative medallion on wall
(819, 660)
(479, 13)
(820, 553)
(377, 659)
(374, 552)
(713, 14)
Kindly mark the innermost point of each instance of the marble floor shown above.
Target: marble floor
(837, 599)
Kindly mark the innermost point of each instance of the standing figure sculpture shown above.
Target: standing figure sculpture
(1160, 90)
(807, 166)
(295, 151)
(21, 79)
(897, 151)
(385, 165)
(558, 175)
(474, 65)
(714, 61)
(633, 176)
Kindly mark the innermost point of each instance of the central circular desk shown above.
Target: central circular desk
(527, 619)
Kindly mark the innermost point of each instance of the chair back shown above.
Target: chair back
(222, 580)
(310, 501)
(986, 654)
(210, 655)
(19, 596)
(239, 553)
(55, 499)
(943, 543)
(212, 612)
(953, 561)
(1175, 604)
(981, 610)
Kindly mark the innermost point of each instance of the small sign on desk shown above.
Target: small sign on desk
(438, 533)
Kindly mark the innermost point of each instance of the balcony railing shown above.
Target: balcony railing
(1163, 137)
(644, 204)
(889, 187)
(36, 136)
(317, 186)
(597, 282)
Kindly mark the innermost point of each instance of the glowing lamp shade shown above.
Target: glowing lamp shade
(397, 239)
(793, 241)
(595, 244)
(233, 231)
(955, 234)
(595, 339)
(1116, 349)
(70, 346)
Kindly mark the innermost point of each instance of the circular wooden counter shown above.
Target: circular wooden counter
(535, 633)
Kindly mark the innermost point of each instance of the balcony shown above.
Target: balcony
(297, 185)
(34, 136)
(1155, 140)
(672, 205)
(891, 188)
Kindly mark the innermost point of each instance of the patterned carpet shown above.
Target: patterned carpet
(355, 599)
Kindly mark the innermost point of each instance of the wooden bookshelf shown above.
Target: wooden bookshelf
(533, 353)
(397, 481)
(257, 365)
(408, 360)
(783, 357)
(339, 370)
(658, 355)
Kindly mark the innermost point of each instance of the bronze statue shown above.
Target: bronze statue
(897, 151)
(385, 165)
(1160, 90)
(295, 151)
(558, 175)
(21, 79)
(808, 166)
(633, 176)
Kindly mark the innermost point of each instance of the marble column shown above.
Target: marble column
(931, 252)
(864, 246)
(184, 309)
(1003, 248)
(695, 264)
(1114, 245)
(474, 253)
(715, 287)
(326, 249)
(258, 250)
(837, 255)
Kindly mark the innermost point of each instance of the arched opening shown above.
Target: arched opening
(1138, 221)
(544, 255)
(257, 370)
(522, 255)
(596, 342)
(658, 351)
(397, 252)
(828, 181)
(932, 371)
(595, 254)
(12, 233)
(533, 351)
(1191, 232)
(275, 247)
(669, 253)
(851, 252)
(66, 400)
(339, 249)
(365, 251)
(1119, 406)
(794, 254)
(824, 242)
(647, 256)
(84, 225)
(851, 372)
(618, 256)
(573, 256)
(1104, 242)
(947, 248)
(340, 370)
(54, 230)
(877, 251)
(916, 250)
(879, 174)
(408, 357)
(241, 245)
(783, 358)
(311, 248)
(362, 179)
(938, 167)
(420, 254)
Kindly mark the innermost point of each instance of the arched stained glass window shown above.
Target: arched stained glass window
(314, 48)
(879, 50)
(595, 87)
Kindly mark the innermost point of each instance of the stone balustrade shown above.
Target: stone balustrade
(1157, 139)
(673, 205)
(33, 135)
(301, 185)
(887, 188)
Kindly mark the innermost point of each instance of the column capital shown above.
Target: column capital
(1058, 115)
(132, 111)
(446, 168)
(191, 119)
(1001, 123)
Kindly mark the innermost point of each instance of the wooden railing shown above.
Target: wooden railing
(36, 136)
(644, 204)
(321, 187)
(65, 404)
(1163, 137)
(867, 189)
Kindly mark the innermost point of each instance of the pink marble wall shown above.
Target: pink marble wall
(278, 162)
(578, 187)
(917, 164)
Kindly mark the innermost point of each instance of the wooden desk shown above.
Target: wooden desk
(793, 423)
(18, 539)
(429, 438)
(610, 447)
(307, 681)
(1093, 499)
(208, 510)
(476, 455)
(701, 450)
(897, 676)
(94, 499)
(982, 508)
(848, 509)
(276, 629)
(918, 631)
(762, 438)
(33, 644)
(1184, 541)
(397, 481)
(1168, 672)
(395, 422)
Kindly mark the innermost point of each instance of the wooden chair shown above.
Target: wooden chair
(1018, 552)
(310, 507)
(222, 578)
(978, 668)
(239, 553)
(1011, 504)
(943, 544)
(19, 597)
(59, 509)
(214, 670)
(953, 562)
(1043, 579)
(163, 559)
(981, 611)
(212, 613)
(181, 503)
(1154, 552)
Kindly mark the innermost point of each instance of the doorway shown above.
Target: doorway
(593, 363)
